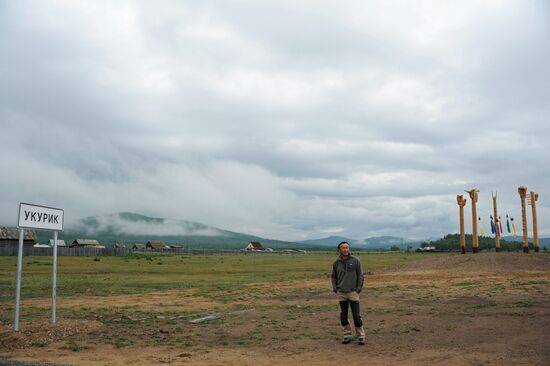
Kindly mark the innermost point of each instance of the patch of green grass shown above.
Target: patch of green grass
(295, 308)
(389, 288)
(483, 306)
(122, 342)
(468, 284)
(524, 304)
(39, 344)
(74, 346)
(497, 287)
(515, 313)
(145, 256)
(531, 282)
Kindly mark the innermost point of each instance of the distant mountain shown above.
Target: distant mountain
(377, 242)
(542, 241)
(130, 228)
(329, 241)
(388, 241)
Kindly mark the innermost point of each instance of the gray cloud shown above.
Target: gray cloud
(277, 119)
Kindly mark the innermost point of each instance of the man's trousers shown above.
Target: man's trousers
(347, 300)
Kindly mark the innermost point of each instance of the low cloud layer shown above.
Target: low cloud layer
(283, 120)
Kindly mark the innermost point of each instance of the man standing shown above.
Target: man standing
(347, 283)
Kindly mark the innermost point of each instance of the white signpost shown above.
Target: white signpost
(42, 218)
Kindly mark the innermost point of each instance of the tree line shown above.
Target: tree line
(451, 243)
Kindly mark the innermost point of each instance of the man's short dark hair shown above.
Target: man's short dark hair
(343, 242)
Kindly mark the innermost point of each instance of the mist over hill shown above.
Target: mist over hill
(130, 228)
(125, 223)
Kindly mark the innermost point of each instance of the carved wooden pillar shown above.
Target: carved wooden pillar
(522, 194)
(533, 200)
(461, 203)
(473, 195)
(497, 231)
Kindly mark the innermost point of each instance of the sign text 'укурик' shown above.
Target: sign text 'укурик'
(40, 217)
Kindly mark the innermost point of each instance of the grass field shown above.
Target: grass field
(141, 273)
(271, 309)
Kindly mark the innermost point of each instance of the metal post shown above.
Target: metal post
(54, 276)
(18, 282)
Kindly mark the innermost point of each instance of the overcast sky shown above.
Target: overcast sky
(285, 119)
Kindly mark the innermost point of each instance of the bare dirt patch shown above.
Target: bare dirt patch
(468, 309)
(182, 300)
(40, 333)
(480, 262)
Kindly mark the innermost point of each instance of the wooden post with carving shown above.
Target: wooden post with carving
(497, 232)
(534, 198)
(522, 190)
(461, 203)
(473, 195)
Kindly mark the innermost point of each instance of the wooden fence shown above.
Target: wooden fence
(84, 251)
(64, 251)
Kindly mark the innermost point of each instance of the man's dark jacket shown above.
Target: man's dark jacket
(347, 275)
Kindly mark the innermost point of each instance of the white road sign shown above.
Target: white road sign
(40, 217)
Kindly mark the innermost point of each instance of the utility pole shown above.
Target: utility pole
(461, 203)
(473, 195)
(522, 190)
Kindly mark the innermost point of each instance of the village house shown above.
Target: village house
(156, 245)
(60, 243)
(9, 237)
(426, 249)
(254, 245)
(139, 247)
(38, 245)
(90, 243)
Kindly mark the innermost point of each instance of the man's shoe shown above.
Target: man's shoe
(346, 340)
(361, 341)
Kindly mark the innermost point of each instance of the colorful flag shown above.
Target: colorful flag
(492, 224)
(482, 229)
(500, 225)
(508, 223)
(513, 226)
